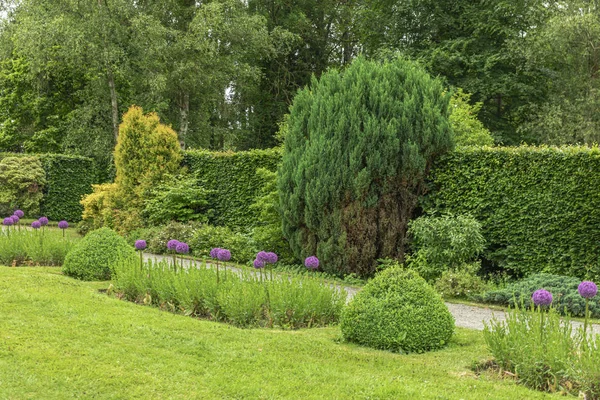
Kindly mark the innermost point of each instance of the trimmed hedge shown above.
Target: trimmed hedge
(68, 178)
(539, 206)
(233, 178)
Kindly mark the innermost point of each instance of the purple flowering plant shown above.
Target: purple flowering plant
(587, 290)
(63, 225)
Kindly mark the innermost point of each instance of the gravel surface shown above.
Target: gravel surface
(466, 316)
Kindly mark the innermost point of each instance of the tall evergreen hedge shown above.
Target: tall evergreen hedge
(359, 145)
(234, 180)
(68, 179)
(539, 206)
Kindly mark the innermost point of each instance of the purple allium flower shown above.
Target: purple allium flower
(140, 244)
(259, 264)
(43, 221)
(311, 262)
(224, 255)
(542, 297)
(172, 244)
(271, 258)
(8, 221)
(214, 253)
(15, 219)
(36, 225)
(63, 224)
(19, 213)
(182, 248)
(587, 289)
(262, 256)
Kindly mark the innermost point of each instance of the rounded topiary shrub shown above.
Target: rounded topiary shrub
(92, 258)
(398, 311)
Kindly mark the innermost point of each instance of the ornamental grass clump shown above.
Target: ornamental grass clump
(240, 299)
(23, 247)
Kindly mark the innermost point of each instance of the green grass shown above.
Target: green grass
(61, 338)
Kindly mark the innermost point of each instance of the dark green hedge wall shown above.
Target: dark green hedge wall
(233, 178)
(539, 206)
(68, 178)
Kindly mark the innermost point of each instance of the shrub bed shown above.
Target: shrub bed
(398, 311)
(244, 300)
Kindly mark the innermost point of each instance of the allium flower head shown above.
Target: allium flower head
(172, 244)
(214, 253)
(36, 225)
(8, 221)
(15, 219)
(43, 221)
(182, 248)
(587, 289)
(259, 263)
(542, 297)
(63, 224)
(140, 244)
(19, 213)
(262, 256)
(271, 258)
(224, 255)
(311, 262)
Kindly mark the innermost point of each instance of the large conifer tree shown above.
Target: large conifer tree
(359, 146)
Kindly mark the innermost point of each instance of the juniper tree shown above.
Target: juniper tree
(359, 146)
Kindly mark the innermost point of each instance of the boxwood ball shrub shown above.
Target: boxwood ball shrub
(398, 311)
(95, 255)
(359, 145)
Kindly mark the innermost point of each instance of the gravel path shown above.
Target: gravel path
(466, 316)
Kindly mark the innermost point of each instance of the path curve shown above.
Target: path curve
(466, 316)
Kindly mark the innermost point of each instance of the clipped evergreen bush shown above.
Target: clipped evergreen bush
(398, 311)
(21, 183)
(359, 146)
(94, 256)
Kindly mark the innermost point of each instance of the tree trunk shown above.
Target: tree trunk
(184, 108)
(113, 101)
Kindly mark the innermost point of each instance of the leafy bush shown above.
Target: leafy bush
(267, 233)
(538, 206)
(21, 182)
(461, 283)
(95, 255)
(543, 352)
(240, 299)
(566, 298)
(444, 243)
(234, 183)
(98, 207)
(466, 128)
(158, 236)
(355, 159)
(27, 247)
(179, 199)
(398, 311)
(207, 237)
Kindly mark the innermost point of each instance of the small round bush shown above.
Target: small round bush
(398, 311)
(93, 257)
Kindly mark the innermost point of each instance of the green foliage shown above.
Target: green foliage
(21, 182)
(564, 288)
(538, 206)
(207, 237)
(234, 182)
(461, 283)
(68, 179)
(544, 352)
(94, 257)
(179, 199)
(268, 233)
(241, 299)
(444, 243)
(467, 129)
(354, 162)
(21, 246)
(398, 311)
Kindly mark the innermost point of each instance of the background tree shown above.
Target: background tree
(358, 148)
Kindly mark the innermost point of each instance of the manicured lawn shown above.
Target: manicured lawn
(60, 338)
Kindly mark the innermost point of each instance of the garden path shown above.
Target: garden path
(466, 316)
